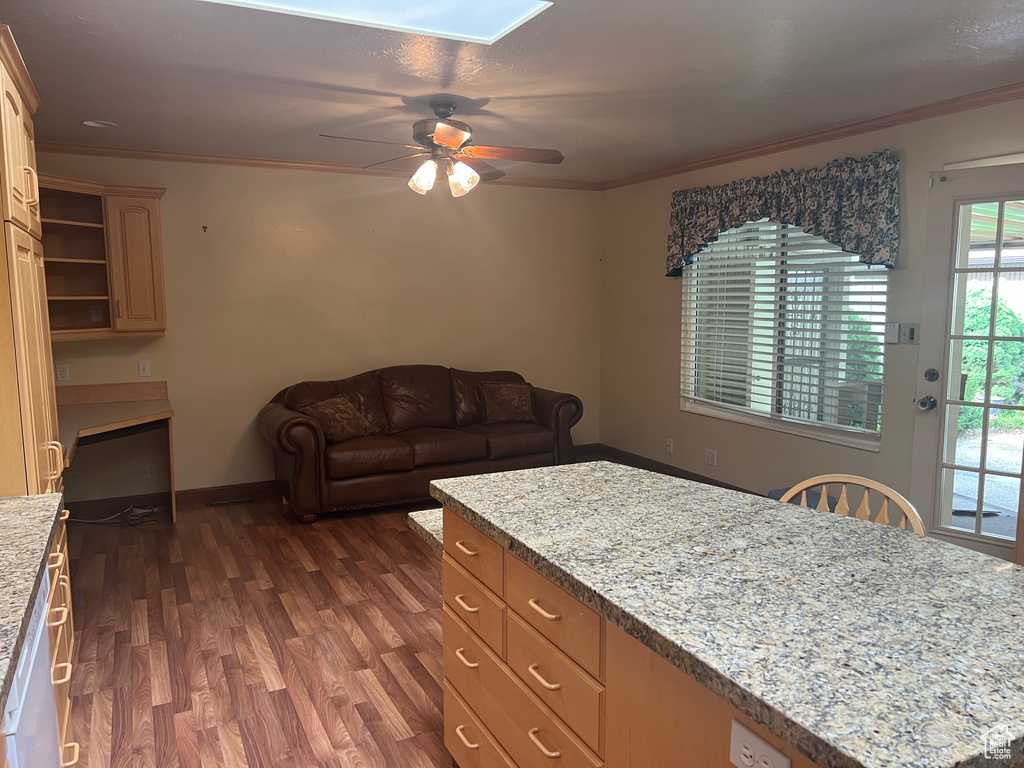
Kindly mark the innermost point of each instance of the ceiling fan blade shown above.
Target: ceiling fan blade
(371, 141)
(393, 159)
(521, 154)
(487, 171)
(449, 136)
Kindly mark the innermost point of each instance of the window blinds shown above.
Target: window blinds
(781, 324)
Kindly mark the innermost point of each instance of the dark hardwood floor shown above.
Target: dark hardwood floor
(241, 638)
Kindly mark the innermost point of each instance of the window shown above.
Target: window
(784, 329)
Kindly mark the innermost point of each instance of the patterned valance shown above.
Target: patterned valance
(852, 203)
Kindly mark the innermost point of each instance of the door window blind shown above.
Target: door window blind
(780, 324)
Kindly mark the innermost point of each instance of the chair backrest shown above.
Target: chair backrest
(903, 508)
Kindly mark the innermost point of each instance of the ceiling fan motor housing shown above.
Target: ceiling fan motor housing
(423, 130)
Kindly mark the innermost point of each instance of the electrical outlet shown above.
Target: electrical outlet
(63, 372)
(151, 471)
(668, 445)
(711, 457)
(71, 476)
(96, 313)
(748, 750)
(908, 333)
(143, 368)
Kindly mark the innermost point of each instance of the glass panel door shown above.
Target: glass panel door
(983, 425)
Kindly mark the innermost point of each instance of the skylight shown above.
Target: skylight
(469, 20)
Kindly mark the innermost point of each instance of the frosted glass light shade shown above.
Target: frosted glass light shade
(461, 179)
(423, 180)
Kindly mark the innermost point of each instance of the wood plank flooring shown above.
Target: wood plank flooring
(239, 638)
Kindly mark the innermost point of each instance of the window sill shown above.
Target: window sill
(823, 434)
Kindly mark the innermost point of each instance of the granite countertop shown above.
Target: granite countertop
(857, 643)
(27, 525)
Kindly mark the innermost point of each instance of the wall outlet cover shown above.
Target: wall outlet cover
(62, 371)
(748, 750)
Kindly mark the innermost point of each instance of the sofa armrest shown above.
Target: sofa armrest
(291, 432)
(558, 411)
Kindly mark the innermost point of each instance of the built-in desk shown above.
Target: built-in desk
(92, 409)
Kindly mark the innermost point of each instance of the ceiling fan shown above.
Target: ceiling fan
(448, 142)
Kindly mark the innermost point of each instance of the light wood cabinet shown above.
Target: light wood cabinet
(20, 180)
(570, 688)
(31, 459)
(60, 623)
(104, 263)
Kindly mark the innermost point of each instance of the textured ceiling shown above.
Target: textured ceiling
(621, 88)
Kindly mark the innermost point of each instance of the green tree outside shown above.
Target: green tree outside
(1007, 362)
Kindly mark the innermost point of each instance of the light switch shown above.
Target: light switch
(143, 368)
(892, 333)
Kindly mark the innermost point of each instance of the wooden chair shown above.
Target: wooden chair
(904, 508)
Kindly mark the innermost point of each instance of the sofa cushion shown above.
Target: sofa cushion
(417, 396)
(466, 393)
(339, 419)
(367, 456)
(443, 446)
(514, 439)
(507, 401)
(364, 392)
(307, 392)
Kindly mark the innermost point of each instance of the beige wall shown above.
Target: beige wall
(317, 275)
(641, 313)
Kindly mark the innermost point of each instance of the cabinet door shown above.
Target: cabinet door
(47, 377)
(28, 132)
(31, 345)
(19, 184)
(136, 263)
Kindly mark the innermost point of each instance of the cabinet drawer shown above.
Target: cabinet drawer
(479, 749)
(481, 556)
(556, 614)
(523, 726)
(472, 602)
(578, 699)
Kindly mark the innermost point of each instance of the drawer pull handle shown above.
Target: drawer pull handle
(74, 760)
(546, 752)
(542, 612)
(542, 681)
(33, 179)
(67, 673)
(62, 612)
(465, 549)
(55, 561)
(65, 588)
(462, 604)
(464, 660)
(56, 452)
(464, 740)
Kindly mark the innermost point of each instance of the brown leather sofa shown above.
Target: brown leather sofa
(430, 425)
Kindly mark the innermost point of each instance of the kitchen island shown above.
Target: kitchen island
(853, 643)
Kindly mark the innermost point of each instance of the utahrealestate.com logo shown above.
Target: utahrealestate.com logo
(997, 742)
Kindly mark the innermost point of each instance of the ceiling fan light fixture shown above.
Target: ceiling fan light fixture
(461, 178)
(423, 180)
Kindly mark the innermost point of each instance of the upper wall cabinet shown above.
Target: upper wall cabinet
(104, 263)
(20, 181)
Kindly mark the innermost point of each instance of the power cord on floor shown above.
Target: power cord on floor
(128, 518)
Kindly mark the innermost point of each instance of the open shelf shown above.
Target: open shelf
(64, 206)
(66, 223)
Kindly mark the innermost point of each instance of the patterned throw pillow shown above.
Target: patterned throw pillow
(339, 419)
(507, 401)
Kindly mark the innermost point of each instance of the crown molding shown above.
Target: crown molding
(15, 66)
(287, 165)
(937, 109)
